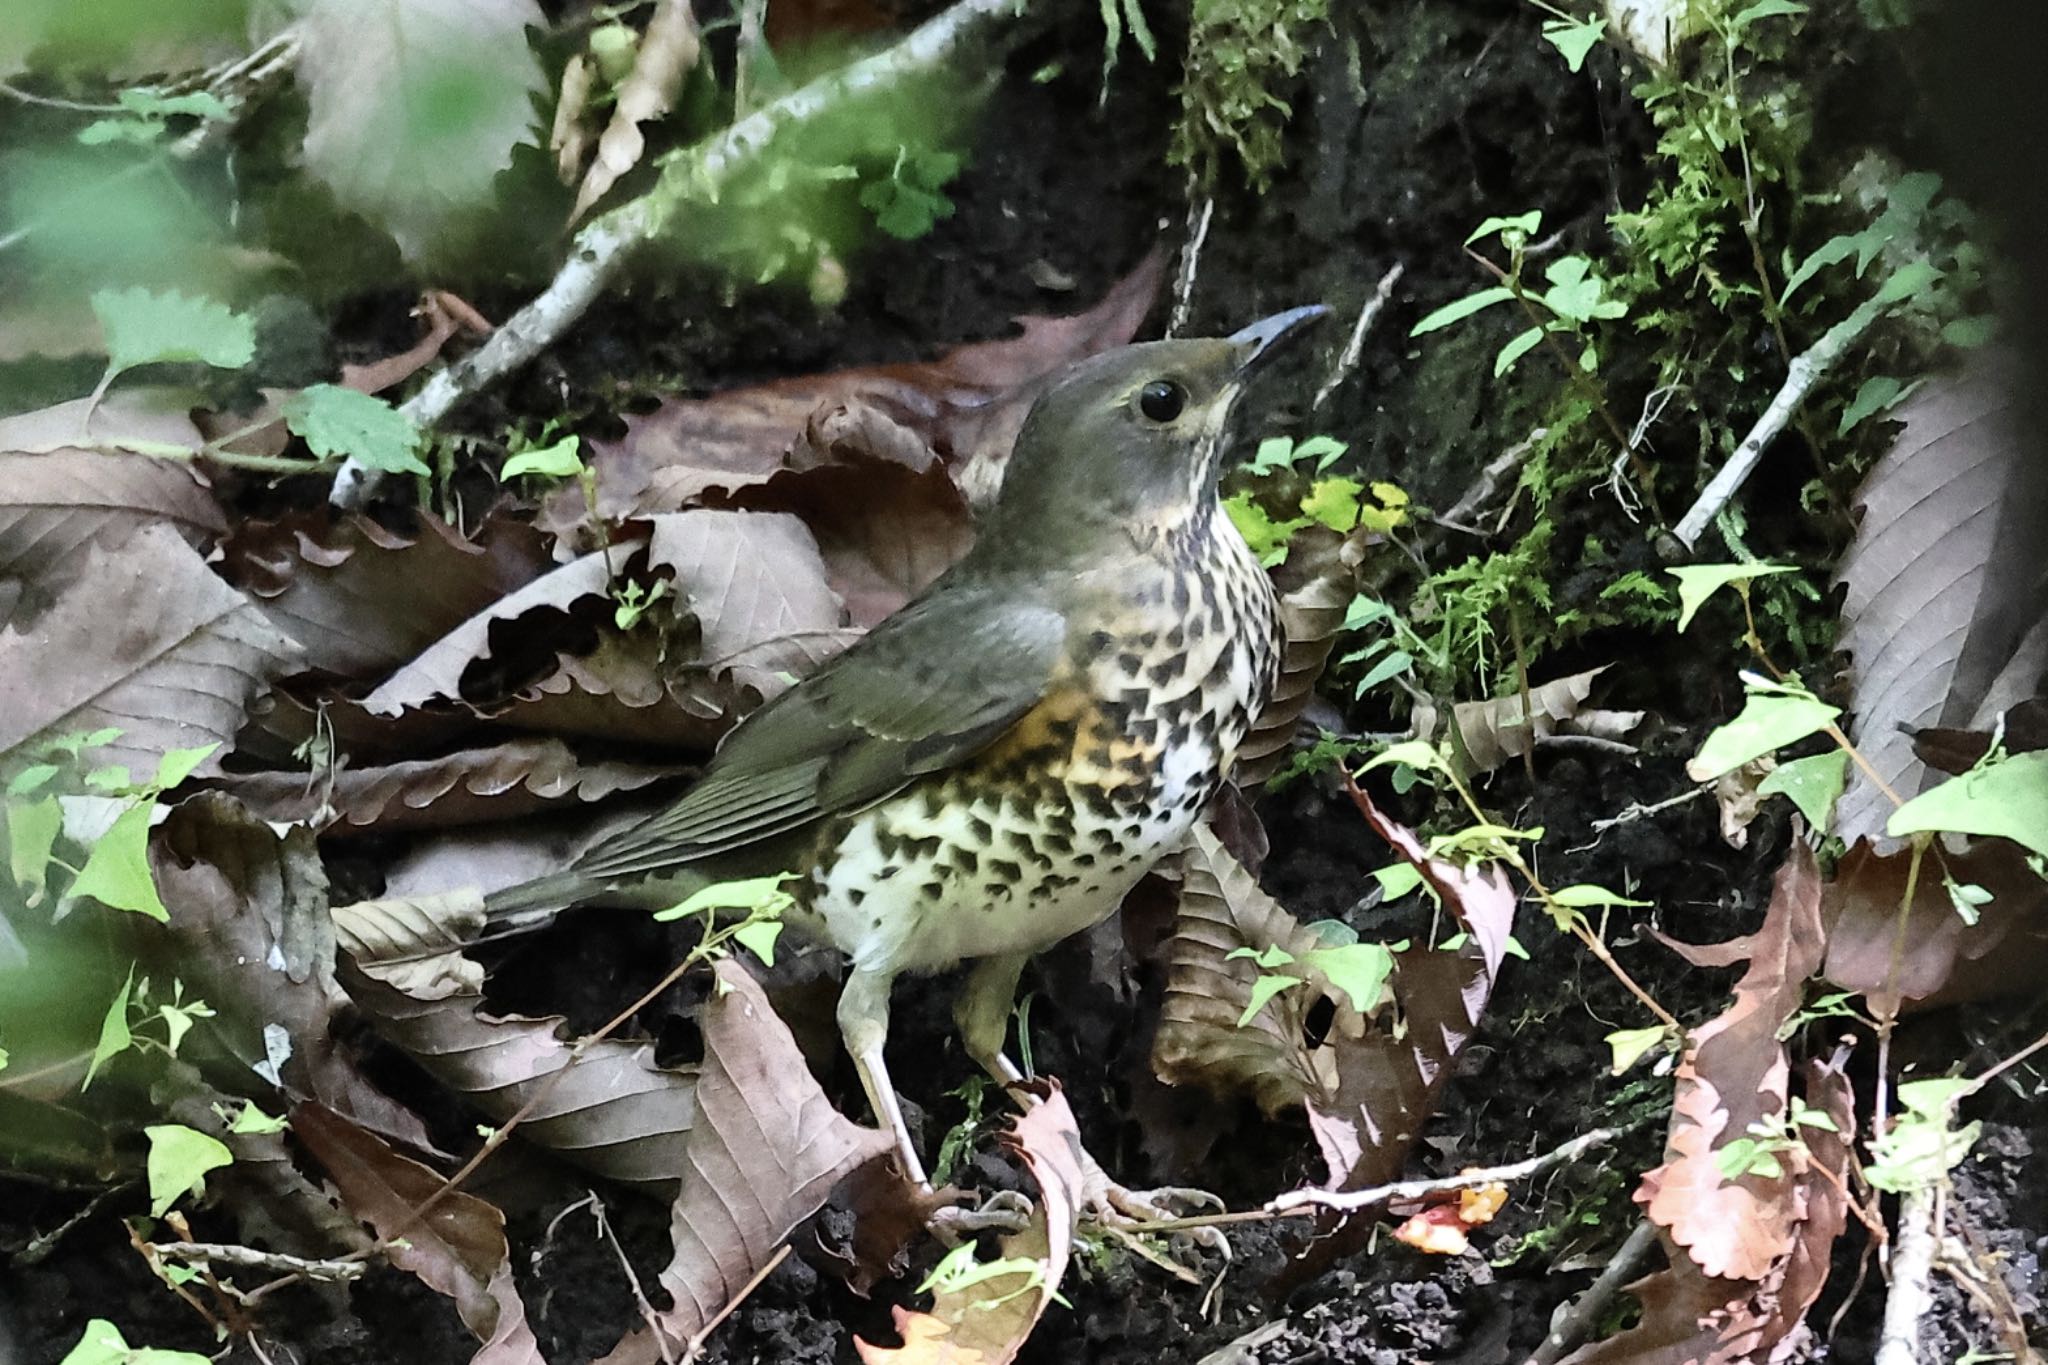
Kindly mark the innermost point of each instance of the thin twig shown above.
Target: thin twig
(1347, 362)
(1577, 1321)
(703, 1334)
(600, 249)
(1805, 371)
(1355, 1201)
(647, 1313)
(1912, 1273)
(2009, 1063)
(1484, 489)
(1190, 261)
(250, 1258)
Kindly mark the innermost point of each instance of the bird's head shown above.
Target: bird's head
(1133, 437)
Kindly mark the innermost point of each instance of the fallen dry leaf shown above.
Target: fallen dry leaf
(457, 1249)
(668, 50)
(755, 584)
(988, 1321)
(1316, 583)
(763, 1155)
(350, 591)
(1733, 1074)
(469, 786)
(1691, 1318)
(614, 1112)
(250, 925)
(966, 408)
(56, 496)
(1930, 955)
(436, 674)
(1942, 619)
(143, 639)
(1491, 733)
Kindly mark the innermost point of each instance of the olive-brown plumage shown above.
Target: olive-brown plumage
(993, 767)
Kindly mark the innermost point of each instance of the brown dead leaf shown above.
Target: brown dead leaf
(569, 138)
(1198, 1041)
(1491, 733)
(146, 640)
(469, 786)
(248, 916)
(988, 1322)
(457, 1249)
(763, 1155)
(1916, 955)
(1316, 584)
(437, 672)
(1691, 1318)
(56, 496)
(614, 1112)
(887, 525)
(1943, 618)
(756, 585)
(668, 50)
(1733, 1074)
(351, 592)
(966, 407)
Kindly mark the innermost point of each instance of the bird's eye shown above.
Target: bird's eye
(1162, 400)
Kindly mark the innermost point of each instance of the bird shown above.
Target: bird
(994, 766)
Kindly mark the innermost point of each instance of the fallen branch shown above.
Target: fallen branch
(601, 248)
(1801, 375)
(250, 1258)
(1912, 1275)
(1355, 347)
(1576, 1321)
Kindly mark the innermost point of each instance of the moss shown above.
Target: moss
(1239, 53)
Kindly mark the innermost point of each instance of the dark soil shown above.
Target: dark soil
(1415, 120)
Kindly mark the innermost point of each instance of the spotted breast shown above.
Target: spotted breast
(1042, 833)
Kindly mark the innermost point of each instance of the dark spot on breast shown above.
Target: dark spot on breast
(854, 896)
(1009, 872)
(984, 833)
(1096, 645)
(931, 891)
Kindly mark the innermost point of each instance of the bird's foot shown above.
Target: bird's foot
(1126, 1213)
(1005, 1211)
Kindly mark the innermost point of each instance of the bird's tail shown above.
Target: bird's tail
(531, 905)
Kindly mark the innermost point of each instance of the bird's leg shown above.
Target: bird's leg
(982, 1013)
(864, 1024)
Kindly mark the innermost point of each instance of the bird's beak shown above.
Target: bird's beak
(1256, 343)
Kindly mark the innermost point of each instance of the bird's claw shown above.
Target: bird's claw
(1005, 1211)
(1126, 1212)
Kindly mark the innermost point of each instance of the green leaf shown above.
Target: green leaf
(1267, 538)
(1834, 250)
(2007, 799)
(1575, 38)
(251, 1119)
(1334, 503)
(145, 328)
(1698, 582)
(1264, 989)
(1876, 394)
(1268, 957)
(114, 1035)
(1519, 346)
(1360, 970)
(149, 102)
(31, 778)
(1765, 9)
(1585, 896)
(103, 1344)
(759, 895)
(1813, 784)
(1395, 664)
(1631, 1045)
(339, 422)
(1970, 333)
(1521, 224)
(562, 460)
(32, 828)
(1769, 721)
(116, 872)
(1461, 309)
(178, 764)
(1397, 879)
(1418, 754)
(179, 1158)
(1921, 1148)
(758, 937)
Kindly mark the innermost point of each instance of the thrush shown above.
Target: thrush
(992, 768)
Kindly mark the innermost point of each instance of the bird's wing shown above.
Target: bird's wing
(927, 689)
